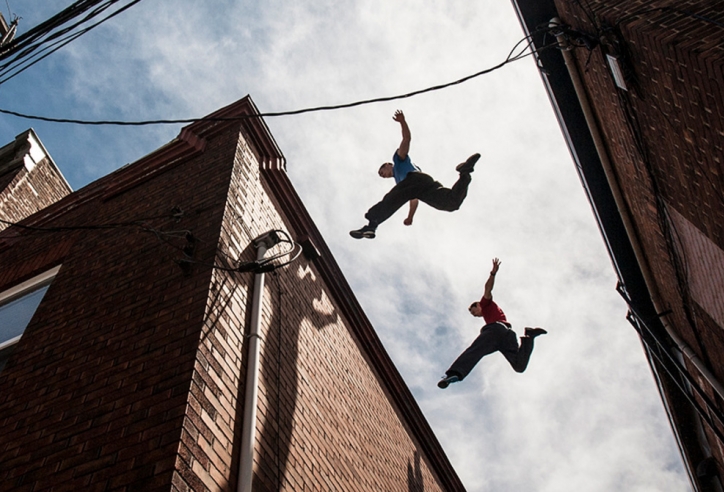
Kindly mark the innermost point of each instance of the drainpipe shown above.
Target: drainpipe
(248, 436)
(623, 211)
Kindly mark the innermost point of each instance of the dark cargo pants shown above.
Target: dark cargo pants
(424, 188)
(494, 337)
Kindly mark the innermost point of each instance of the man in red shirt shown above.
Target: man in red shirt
(495, 336)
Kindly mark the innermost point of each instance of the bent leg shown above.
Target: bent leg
(518, 357)
(446, 199)
(460, 189)
(487, 342)
(410, 187)
(389, 204)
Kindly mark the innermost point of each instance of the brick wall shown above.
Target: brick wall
(95, 393)
(324, 420)
(675, 107)
(27, 186)
(131, 374)
(665, 136)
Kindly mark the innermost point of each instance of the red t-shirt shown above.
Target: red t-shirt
(491, 311)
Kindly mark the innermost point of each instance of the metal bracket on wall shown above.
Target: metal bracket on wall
(189, 250)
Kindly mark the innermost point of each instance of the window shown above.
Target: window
(17, 306)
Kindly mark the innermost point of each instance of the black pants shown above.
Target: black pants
(494, 337)
(424, 188)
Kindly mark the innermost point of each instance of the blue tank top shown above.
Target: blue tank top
(402, 167)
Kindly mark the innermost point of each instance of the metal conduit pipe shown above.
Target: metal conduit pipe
(623, 210)
(248, 435)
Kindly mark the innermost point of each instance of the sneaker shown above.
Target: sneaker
(534, 332)
(446, 381)
(367, 231)
(469, 165)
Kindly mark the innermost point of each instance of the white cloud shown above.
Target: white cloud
(586, 415)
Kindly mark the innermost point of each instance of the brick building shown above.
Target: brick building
(29, 179)
(638, 88)
(132, 368)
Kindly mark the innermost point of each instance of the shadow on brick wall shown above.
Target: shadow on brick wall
(279, 368)
(414, 475)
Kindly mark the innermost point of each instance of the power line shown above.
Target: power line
(511, 58)
(23, 49)
(32, 39)
(268, 264)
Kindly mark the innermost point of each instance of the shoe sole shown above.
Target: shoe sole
(469, 165)
(361, 235)
(443, 384)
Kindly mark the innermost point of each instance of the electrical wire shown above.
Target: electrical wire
(265, 263)
(47, 26)
(258, 266)
(588, 11)
(684, 377)
(8, 67)
(666, 225)
(511, 58)
(25, 44)
(671, 236)
(292, 259)
(110, 225)
(140, 224)
(31, 40)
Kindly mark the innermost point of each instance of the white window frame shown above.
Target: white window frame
(22, 288)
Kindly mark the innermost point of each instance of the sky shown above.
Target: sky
(586, 415)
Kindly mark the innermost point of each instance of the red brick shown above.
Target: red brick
(672, 181)
(130, 372)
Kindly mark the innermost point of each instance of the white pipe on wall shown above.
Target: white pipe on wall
(248, 435)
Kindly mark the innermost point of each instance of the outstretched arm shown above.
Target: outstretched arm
(491, 279)
(404, 148)
(413, 209)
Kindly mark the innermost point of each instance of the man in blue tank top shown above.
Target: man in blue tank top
(412, 185)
